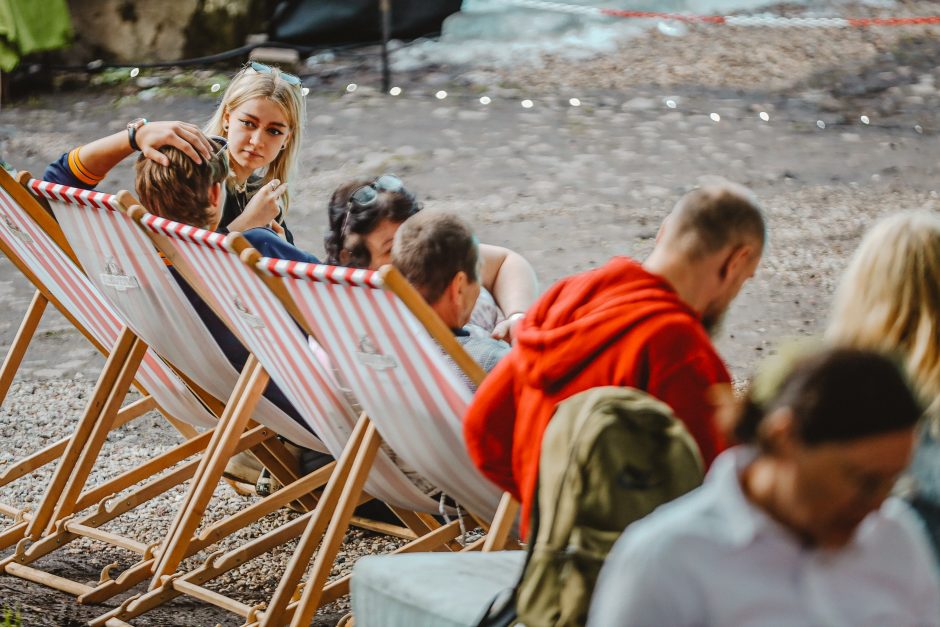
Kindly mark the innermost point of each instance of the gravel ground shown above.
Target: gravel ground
(566, 186)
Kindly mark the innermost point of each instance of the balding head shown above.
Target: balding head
(709, 246)
(712, 218)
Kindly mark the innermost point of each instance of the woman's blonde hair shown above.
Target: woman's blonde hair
(249, 84)
(889, 297)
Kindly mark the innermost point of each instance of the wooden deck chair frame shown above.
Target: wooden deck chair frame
(269, 331)
(32, 226)
(295, 603)
(285, 604)
(13, 359)
(263, 440)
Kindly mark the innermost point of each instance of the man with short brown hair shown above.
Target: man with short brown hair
(628, 324)
(183, 191)
(439, 255)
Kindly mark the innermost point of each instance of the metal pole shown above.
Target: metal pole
(386, 10)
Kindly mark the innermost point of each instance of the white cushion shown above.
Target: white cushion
(430, 589)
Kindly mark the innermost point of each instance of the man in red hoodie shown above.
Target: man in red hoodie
(628, 324)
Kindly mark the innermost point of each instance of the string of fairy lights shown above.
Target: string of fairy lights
(668, 104)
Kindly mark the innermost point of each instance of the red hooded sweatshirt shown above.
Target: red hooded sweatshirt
(616, 325)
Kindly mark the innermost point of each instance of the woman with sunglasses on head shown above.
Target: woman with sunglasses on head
(363, 218)
(261, 114)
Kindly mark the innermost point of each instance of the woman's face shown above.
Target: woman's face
(379, 243)
(257, 131)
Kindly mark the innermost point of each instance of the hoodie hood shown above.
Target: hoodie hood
(581, 315)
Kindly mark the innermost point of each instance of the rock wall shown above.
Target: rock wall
(126, 31)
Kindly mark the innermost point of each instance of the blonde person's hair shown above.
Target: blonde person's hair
(889, 298)
(249, 84)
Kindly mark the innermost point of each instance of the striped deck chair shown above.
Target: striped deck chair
(29, 239)
(389, 345)
(212, 262)
(123, 263)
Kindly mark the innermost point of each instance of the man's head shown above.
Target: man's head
(184, 191)
(713, 238)
(438, 254)
(833, 440)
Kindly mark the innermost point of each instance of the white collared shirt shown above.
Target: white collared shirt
(713, 558)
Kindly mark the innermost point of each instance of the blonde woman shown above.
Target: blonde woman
(889, 300)
(261, 114)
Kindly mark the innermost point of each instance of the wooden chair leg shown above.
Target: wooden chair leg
(333, 538)
(99, 434)
(73, 451)
(142, 570)
(24, 335)
(274, 456)
(339, 486)
(247, 392)
(502, 523)
(220, 563)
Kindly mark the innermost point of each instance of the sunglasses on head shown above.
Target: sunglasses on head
(290, 79)
(367, 195)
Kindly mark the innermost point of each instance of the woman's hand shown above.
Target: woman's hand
(511, 280)
(506, 330)
(262, 209)
(277, 228)
(187, 137)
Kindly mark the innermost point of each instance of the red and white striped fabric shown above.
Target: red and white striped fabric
(396, 370)
(56, 272)
(122, 263)
(269, 332)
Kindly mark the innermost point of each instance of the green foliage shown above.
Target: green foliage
(11, 617)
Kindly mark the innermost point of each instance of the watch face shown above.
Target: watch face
(135, 124)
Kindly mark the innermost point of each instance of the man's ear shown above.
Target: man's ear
(777, 432)
(455, 290)
(344, 257)
(215, 194)
(734, 259)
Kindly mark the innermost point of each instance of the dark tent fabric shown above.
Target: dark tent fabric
(322, 22)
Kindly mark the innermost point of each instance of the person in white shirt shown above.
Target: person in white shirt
(794, 527)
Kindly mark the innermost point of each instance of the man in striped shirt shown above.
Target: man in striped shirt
(439, 255)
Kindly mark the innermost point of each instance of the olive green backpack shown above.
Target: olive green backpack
(609, 456)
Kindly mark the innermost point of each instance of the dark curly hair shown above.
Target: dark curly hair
(395, 206)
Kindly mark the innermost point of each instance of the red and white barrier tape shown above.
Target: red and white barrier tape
(763, 19)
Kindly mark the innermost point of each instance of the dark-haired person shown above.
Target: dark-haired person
(363, 218)
(795, 527)
(439, 255)
(627, 324)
